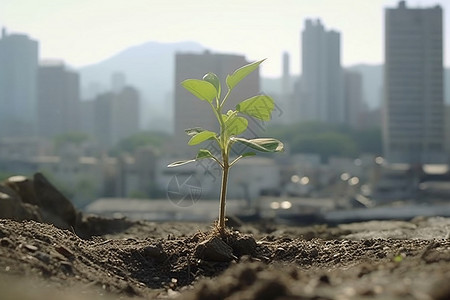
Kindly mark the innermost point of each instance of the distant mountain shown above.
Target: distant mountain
(150, 68)
(372, 83)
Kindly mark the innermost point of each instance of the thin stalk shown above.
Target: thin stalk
(225, 99)
(234, 161)
(225, 166)
(223, 193)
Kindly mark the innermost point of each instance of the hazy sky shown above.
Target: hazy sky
(83, 32)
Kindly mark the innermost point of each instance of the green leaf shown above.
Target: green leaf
(233, 79)
(260, 107)
(235, 125)
(214, 80)
(193, 131)
(261, 144)
(201, 89)
(248, 154)
(180, 163)
(204, 153)
(201, 137)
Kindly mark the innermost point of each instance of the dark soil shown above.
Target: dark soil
(144, 260)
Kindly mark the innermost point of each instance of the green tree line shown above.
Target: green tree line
(328, 139)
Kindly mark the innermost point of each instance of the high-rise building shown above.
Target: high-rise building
(190, 111)
(18, 69)
(286, 78)
(413, 124)
(116, 116)
(126, 111)
(322, 80)
(289, 109)
(58, 99)
(118, 82)
(353, 98)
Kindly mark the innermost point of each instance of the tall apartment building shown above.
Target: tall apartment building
(190, 111)
(18, 69)
(58, 100)
(322, 80)
(413, 125)
(115, 116)
(353, 98)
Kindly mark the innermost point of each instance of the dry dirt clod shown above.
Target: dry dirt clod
(243, 245)
(30, 248)
(66, 267)
(65, 252)
(214, 249)
(44, 257)
(155, 252)
(5, 242)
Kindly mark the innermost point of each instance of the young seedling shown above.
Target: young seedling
(232, 124)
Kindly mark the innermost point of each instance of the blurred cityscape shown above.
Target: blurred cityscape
(357, 139)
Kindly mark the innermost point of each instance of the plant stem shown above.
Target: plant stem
(223, 193)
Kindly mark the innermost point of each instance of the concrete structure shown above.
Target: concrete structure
(288, 107)
(116, 116)
(118, 82)
(413, 125)
(190, 111)
(353, 98)
(58, 100)
(321, 84)
(18, 68)
(136, 174)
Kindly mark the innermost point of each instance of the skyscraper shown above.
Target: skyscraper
(321, 82)
(19, 63)
(353, 98)
(58, 99)
(413, 125)
(191, 112)
(116, 116)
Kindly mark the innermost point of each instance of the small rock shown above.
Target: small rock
(65, 252)
(155, 252)
(270, 289)
(44, 257)
(12, 207)
(233, 222)
(24, 188)
(56, 208)
(244, 245)
(66, 267)
(30, 248)
(324, 279)
(5, 242)
(214, 249)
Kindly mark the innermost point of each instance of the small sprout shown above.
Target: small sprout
(399, 258)
(232, 123)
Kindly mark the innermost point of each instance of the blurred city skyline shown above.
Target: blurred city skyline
(87, 32)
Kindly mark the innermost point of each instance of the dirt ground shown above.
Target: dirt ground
(145, 260)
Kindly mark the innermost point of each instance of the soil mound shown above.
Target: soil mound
(57, 253)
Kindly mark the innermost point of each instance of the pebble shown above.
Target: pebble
(66, 267)
(5, 242)
(44, 257)
(65, 252)
(30, 248)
